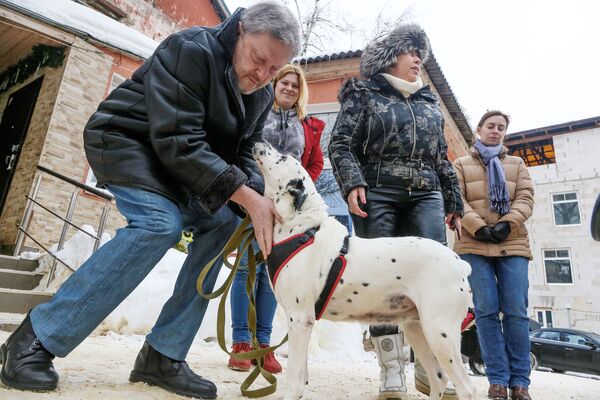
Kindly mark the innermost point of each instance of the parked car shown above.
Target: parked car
(566, 350)
(470, 346)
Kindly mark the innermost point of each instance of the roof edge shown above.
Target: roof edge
(221, 9)
(556, 129)
(435, 74)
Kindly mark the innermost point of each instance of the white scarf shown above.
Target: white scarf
(405, 87)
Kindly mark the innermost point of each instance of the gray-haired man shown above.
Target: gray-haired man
(173, 144)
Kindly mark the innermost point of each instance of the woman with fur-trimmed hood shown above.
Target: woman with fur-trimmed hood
(389, 157)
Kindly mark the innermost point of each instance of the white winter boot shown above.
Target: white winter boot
(390, 354)
(422, 383)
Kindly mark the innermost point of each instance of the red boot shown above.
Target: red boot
(271, 363)
(240, 365)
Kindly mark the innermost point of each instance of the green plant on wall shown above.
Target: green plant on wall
(40, 56)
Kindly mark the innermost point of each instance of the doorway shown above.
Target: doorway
(13, 130)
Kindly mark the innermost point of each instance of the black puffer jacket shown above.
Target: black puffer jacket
(381, 139)
(180, 126)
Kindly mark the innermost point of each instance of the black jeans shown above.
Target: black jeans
(396, 212)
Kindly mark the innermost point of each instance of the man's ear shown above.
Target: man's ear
(295, 187)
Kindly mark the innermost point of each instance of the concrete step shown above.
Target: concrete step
(11, 262)
(15, 279)
(21, 301)
(10, 321)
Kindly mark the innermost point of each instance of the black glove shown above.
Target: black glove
(485, 234)
(501, 230)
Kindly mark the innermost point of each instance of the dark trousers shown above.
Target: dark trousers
(396, 212)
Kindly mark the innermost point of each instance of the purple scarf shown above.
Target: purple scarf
(496, 179)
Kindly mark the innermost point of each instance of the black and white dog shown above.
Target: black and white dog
(414, 282)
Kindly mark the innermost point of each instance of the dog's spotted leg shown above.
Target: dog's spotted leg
(443, 338)
(299, 330)
(436, 376)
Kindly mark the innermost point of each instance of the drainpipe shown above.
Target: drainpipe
(568, 306)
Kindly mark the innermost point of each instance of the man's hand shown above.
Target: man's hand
(454, 223)
(355, 195)
(261, 212)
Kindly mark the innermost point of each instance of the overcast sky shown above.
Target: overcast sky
(538, 60)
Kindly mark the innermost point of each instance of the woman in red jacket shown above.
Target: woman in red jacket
(291, 131)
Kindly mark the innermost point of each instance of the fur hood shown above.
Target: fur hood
(380, 54)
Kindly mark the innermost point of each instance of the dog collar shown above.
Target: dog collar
(282, 252)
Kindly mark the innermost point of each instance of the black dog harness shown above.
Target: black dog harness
(284, 251)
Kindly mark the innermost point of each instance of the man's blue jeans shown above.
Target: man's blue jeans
(263, 297)
(154, 225)
(500, 284)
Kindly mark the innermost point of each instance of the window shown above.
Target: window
(573, 338)
(544, 317)
(557, 264)
(550, 335)
(566, 209)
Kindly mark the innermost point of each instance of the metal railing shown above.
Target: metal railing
(32, 201)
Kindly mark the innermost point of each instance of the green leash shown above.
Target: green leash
(241, 239)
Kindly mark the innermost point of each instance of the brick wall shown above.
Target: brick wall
(577, 169)
(159, 18)
(30, 153)
(83, 86)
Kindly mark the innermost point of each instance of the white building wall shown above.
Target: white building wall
(577, 169)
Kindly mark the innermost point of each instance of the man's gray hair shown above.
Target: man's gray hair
(273, 18)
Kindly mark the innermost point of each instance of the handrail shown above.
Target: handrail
(47, 251)
(80, 185)
(66, 221)
(32, 200)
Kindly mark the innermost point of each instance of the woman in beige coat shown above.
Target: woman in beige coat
(498, 198)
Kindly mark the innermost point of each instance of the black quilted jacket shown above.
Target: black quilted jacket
(180, 126)
(382, 139)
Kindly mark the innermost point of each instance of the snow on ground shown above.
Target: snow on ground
(99, 369)
(338, 366)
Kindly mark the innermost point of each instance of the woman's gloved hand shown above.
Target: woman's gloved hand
(486, 234)
(501, 230)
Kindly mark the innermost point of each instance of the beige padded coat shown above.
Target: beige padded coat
(472, 176)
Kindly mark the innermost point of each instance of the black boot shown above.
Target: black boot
(153, 368)
(26, 364)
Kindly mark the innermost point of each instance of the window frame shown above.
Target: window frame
(544, 258)
(553, 202)
(545, 312)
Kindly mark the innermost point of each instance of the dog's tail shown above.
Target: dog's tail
(465, 268)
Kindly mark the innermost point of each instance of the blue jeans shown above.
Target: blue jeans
(263, 297)
(154, 225)
(500, 284)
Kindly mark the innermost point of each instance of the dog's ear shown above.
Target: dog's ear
(295, 187)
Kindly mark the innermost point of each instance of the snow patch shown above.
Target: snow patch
(99, 26)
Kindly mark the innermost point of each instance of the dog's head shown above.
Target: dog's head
(287, 183)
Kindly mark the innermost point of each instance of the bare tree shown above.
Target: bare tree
(324, 22)
(318, 23)
(385, 23)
